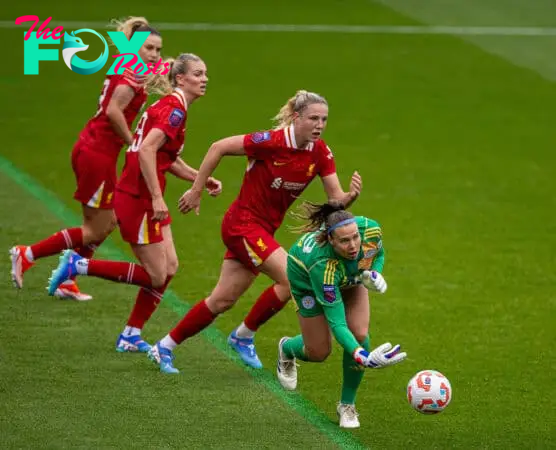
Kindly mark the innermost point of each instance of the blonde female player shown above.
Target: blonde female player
(139, 203)
(94, 160)
(282, 162)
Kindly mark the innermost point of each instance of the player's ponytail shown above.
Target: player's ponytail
(321, 217)
(132, 24)
(296, 104)
(160, 84)
(165, 84)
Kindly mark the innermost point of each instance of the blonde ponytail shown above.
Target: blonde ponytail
(165, 84)
(160, 84)
(296, 104)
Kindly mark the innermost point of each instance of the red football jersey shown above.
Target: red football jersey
(98, 135)
(169, 114)
(277, 173)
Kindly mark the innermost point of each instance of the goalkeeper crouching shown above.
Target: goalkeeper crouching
(331, 268)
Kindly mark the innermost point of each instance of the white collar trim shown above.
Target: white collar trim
(289, 134)
(178, 93)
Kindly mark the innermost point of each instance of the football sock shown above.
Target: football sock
(87, 251)
(68, 238)
(198, 318)
(353, 374)
(118, 271)
(243, 332)
(267, 305)
(294, 348)
(29, 254)
(145, 305)
(131, 331)
(168, 342)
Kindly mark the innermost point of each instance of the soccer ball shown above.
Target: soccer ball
(429, 392)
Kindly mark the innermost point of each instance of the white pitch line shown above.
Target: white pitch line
(294, 28)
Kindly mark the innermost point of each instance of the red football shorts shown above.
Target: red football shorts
(95, 175)
(250, 244)
(135, 219)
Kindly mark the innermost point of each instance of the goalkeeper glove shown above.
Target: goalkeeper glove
(382, 356)
(374, 281)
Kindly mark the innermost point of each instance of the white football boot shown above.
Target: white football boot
(347, 416)
(286, 369)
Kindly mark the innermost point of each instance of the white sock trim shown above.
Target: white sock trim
(82, 266)
(243, 332)
(168, 342)
(29, 254)
(131, 331)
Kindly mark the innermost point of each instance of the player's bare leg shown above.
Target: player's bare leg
(313, 344)
(98, 224)
(156, 259)
(95, 231)
(234, 280)
(268, 304)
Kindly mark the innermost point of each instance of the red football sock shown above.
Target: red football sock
(267, 305)
(145, 305)
(68, 238)
(198, 318)
(120, 272)
(87, 251)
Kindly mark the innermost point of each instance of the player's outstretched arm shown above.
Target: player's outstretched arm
(180, 169)
(334, 191)
(383, 356)
(191, 200)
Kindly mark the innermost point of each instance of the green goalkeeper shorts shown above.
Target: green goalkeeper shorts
(306, 303)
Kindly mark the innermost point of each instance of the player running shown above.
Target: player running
(281, 164)
(139, 203)
(325, 269)
(94, 159)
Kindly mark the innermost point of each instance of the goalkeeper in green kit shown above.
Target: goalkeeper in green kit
(330, 270)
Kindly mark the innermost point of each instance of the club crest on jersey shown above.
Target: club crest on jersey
(259, 137)
(176, 117)
(329, 293)
(262, 245)
(308, 302)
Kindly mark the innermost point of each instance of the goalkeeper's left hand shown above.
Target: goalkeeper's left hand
(385, 355)
(382, 356)
(374, 281)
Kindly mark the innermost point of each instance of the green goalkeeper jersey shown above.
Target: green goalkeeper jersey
(317, 274)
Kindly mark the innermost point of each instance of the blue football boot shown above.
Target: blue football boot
(245, 347)
(131, 344)
(65, 270)
(163, 357)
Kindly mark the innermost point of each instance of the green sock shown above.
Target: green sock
(294, 348)
(353, 374)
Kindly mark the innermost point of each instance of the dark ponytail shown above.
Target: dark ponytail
(321, 217)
